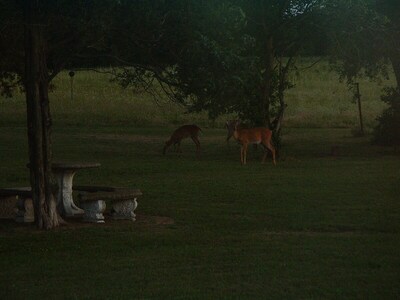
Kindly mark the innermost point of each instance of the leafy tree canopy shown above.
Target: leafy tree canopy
(366, 39)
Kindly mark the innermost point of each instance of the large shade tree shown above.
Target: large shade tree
(365, 37)
(233, 56)
(281, 31)
(255, 44)
(41, 38)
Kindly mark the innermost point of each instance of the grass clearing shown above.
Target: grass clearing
(317, 100)
(314, 226)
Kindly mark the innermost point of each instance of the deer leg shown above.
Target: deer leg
(228, 138)
(167, 144)
(272, 149)
(265, 154)
(243, 157)
(197, 142)
(178, 148)
(245, 154)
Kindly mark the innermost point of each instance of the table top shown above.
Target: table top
(74, 165)
(21, 191)
(71, 165)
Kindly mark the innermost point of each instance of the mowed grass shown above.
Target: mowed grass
(314, 226)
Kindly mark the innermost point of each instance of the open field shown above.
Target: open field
(317, 100)
(314, 226)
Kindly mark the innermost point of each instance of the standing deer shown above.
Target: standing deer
(230, 127)
(181, 133)
(259, 135)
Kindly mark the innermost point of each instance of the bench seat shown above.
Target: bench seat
(93, 201)
(24, 211)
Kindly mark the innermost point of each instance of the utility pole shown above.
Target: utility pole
(71, 75)
(357, 95)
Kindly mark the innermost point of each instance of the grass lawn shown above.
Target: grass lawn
(314, 226)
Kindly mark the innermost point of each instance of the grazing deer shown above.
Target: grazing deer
(181, 133)
(259, 135)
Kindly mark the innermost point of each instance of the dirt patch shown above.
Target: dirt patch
(144, 138)
(142, 221)
(123, 137)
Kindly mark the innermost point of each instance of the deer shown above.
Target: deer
(181, 133)
(230, 127)
(258, 135)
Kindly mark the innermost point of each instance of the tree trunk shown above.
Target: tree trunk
(394, 55)
(267, 84)
(38, 119)
(395, 59)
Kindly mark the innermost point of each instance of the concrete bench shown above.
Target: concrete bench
(93, 201)
(25, 213)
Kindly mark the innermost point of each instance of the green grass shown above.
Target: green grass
(317, 100)
(314, 226)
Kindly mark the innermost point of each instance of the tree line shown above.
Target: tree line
(229, 56)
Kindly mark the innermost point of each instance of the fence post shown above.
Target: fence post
(71, 75)
(357, 95)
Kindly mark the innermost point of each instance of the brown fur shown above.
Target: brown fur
(230, 127)
(259, 135)
(181, 133)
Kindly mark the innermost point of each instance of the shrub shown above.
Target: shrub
(387, 132)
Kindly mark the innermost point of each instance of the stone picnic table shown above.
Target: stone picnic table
(24, 205)
(91, 198)
(64, 173)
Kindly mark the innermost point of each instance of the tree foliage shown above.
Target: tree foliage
(229, 55)
(387, 132)
(366, 42)
(11, 51)
(195, 55)
(39, 38)
(356, 37)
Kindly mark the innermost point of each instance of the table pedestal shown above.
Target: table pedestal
(65, 202)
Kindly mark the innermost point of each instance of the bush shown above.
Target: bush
(387, 132)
